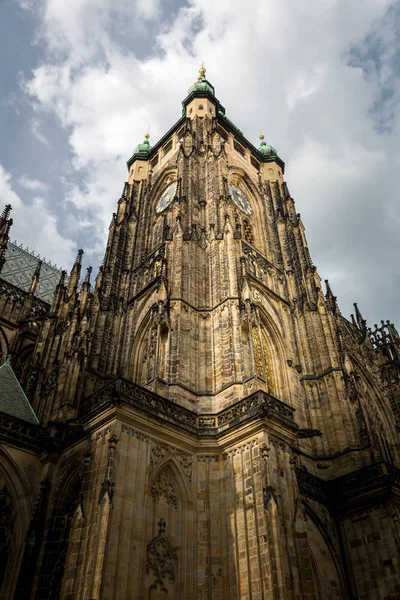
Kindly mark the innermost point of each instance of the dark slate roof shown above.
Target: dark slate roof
(20, 266)
(12, 397)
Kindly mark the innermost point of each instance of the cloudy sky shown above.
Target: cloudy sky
(82, 80)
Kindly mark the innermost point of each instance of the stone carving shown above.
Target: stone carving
(146, 398)
(51, 381)
(267, 366)
(107, 486)
(164, 485)
(16, 296)
(207, 458)
(259, 402)
(269, 491)
(207, 421)
(135, 433)
(100, 434)
(264, 451)
(160, 449)
(23, 433)
(248, 232)
(308, 433)
(246, 446)
(161, 558)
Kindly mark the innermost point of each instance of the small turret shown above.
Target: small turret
(5, 215)
(142, 150)
(360, 321)
(202, 84)
(331, 300)
(75, 274)
(59, 293)
(201, 101)
(267, 150)
(85, 291)
(35, 278)
(99, 278)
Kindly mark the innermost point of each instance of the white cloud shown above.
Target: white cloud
(39, 135)
(33, 185)
(288, 67)
(35, 226)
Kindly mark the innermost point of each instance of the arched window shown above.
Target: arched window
(56, 545)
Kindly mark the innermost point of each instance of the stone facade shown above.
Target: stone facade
(211, 426)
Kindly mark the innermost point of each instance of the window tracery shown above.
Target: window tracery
(164, 485)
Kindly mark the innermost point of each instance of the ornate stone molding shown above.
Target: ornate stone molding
(18, 297)
(160, 449)
(135, 433)
(161, 558)
(207, 458)
(164, 485)
(258, 405)
(239, 449)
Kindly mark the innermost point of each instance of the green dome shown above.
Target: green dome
(143, 148)
(267, 150)
(201, 85)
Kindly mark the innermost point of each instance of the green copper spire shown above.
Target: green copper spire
(143, 149)
(267, 150)
(202, 85)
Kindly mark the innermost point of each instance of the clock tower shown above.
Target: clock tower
(216, 428)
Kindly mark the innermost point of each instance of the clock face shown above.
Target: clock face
(166, 197)
(240, 199)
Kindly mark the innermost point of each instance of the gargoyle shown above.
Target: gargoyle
(308, 433)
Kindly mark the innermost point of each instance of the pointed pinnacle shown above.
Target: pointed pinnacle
(328, 288)
(62, 278)
(38, 268)
(358, 314)
(78, 259)
(35, 278)
(88, 274)
(99, 277)
(360, 320)
(6, 213)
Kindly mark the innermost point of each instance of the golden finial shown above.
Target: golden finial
(147, 136)
(202, 70)
(262, 136)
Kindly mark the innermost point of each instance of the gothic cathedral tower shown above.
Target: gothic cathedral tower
(211, 426)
